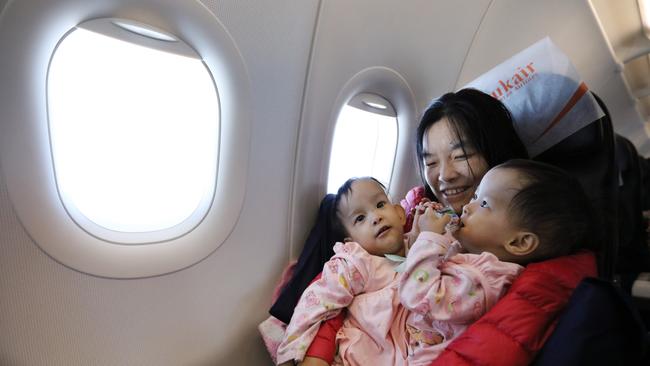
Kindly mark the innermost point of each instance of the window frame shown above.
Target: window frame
(317, 125)
(107, 27)
(32, 30)
(363, 101)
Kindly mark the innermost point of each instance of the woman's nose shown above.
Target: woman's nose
(447, 172)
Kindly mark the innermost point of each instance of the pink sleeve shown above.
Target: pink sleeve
(458, 289)
(342, 279)
(413, 197)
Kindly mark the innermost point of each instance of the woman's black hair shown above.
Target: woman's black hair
(318, 249)
(553, 205)
(478, 120)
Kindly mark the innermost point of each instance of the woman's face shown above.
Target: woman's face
(451, 173)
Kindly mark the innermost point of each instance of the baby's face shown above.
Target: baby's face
(372, 220)
(486, 224)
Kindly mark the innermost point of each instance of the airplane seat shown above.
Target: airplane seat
(589, 155)
(599, 325)
(634, 254)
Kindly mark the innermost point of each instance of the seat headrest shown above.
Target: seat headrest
(586, 141)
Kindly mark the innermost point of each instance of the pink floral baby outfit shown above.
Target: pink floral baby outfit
(374, 329)
(446, 292)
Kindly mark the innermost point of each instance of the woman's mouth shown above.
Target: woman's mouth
(453, 192)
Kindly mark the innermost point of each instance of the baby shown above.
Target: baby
(523, 211)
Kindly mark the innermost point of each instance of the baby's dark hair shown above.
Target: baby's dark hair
(553, 205)
(343, 192)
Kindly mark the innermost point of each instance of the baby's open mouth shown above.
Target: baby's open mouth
(383, 230)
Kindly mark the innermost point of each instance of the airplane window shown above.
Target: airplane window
(134, 133)
(365, 139)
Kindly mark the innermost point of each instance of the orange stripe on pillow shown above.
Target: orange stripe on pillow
(582, 89)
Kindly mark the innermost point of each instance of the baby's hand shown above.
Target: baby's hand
(418, 211)
(453, 225)
(425, 203)
(430, 220)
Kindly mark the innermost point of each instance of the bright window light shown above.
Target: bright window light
(134, 132)
(364, 145)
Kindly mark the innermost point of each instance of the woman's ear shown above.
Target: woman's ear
(523, 243)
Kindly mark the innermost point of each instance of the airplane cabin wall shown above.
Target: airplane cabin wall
(203, 315)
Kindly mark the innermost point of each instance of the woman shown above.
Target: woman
(459, 138)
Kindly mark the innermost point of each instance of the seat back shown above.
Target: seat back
(599, 326)
(589, 155)
(633, 254)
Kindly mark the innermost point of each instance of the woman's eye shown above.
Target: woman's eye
(430, 163)
(381, 204)
(359, 218)
(474, 196)
(461, 157)
(484, 203)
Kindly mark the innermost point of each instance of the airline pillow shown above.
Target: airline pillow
(543, 91)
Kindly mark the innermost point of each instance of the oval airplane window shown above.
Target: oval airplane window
(365, 141)
(134, 133)
(113, 168)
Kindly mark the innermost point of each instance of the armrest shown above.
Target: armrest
(641, 291)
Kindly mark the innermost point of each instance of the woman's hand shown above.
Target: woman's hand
(313, 361)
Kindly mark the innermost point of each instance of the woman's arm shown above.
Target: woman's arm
(323, 347)
(313, 361)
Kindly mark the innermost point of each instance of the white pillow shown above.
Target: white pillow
(543, 91)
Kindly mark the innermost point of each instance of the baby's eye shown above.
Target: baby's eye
(484, 203)
(381, 204)
(359, 218)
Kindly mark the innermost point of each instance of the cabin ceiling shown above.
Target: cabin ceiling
(622, 28)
